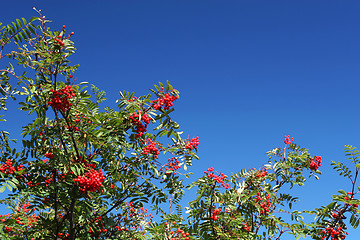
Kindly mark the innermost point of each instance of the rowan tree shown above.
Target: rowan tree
(86, 172)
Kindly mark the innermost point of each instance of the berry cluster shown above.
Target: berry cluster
(8, 168)
(99, 227)
(165, 100)
(133, 211)
(335, 234)
(265, 204)
(218, 178)
(64, 236)
(24, 207)
(58, 40)
(179, 234)
(49, 155)
(22, 219)
(287, 140)
(173, 164)
(152, 149)
(246, 227)
(133, 99)
(80, 117)
(192, 144)
(60, 98)
(315, 164)
(215, 214)
(84, 162)
(261, 175)
(351, 195)
(133, 218)
(91, 181)
(136, 118)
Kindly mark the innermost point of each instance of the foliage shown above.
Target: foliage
(89, 173)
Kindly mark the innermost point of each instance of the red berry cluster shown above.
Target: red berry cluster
(152, 149)
(335, 234)
(58, 40)
(8, 168)
(265, 204)
(218, 178)
(136, 118)
(133, 99)
(99, 227)
(165, 100)
(287, 139)
(24, 207)
(45, 180)
(261, 175)
(60, 98)
(49, 155)
(91, 181)
(215, 214)
(28, 220)
(315, 164)
(64, 236)
(246, 227)
(351, 195)
(136, 218)
(192, 144)
(173, 164)
(179, 234)
(81, 117)
(134, 211)
(84, 162)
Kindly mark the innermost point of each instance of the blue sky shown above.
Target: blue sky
(249, 72)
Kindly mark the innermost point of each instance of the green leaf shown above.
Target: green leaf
(19, 23)
(33, 19)
(23, 35)
(8, 187)
(24, 21)
(168, 86)
(31, 29)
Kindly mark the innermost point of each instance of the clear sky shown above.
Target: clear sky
(248, 72)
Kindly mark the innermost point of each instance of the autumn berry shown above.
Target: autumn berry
(165, 100)
(246, 227)
(215, 214)
(49, 155)
(192, 144)
(173, 164)
(261, 175)
(136, 119)
(217, 178)
(8, 167)
(91, 181)
(58, 41)
(314, 166)
(60, 98)
(152, 149)
(287, 139)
